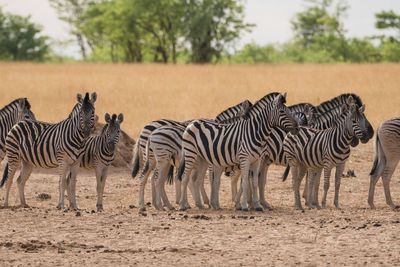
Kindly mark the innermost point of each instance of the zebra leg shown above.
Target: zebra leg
(186, 176)
(234, 181)
(254, 186)
(165, 196)
(317, 179)
(203, 192)
(327, 175)
(238, 196)
(296, 180)
(386, 177)
(12, 168)
(143, 180)
(244, 168)
(159, 177)
(99, 174)
(177, 190)
(310, 185)
(305, 192)
(338, 177)
(26, 171)
(199, 183)
(62, 169)
(2, 154)
(262, 179)
(373, 180)
(72, 186)
(215, 179)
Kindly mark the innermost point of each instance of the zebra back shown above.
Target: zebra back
(234, 112)
(46, 143)
(17, 110)
(337, 102)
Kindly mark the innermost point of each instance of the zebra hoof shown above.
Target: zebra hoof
(183, 209)
(238, 208)
(396, 207)
(171, 208)
(259, 209)
(245, 209)
(142, 209)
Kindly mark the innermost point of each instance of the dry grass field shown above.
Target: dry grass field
(42, 235)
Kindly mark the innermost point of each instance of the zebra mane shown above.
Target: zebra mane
(75, 110)
(337, 102)
(16, 101)
(234, 112)
(261, 103)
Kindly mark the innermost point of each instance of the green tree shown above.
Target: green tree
(71, 11)
(212, 26)
(388, 20)
(20, 39)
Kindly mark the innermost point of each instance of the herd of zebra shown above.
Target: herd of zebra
(242, 142)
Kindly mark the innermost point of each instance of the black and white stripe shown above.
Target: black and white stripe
(228, 115)
(47, 145)
(99, 154)
(238, 144)
(315, 150)
(17, 110)
(386, 158)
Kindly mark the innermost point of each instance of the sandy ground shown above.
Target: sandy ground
(43, 235)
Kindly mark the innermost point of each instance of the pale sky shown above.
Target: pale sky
(272, 19)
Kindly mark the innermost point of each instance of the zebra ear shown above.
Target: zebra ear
(350, 100)
(107, 118)
(344, 108)
(120, 118)
(284, 96)
(94, 97)
(21, 103)
(362, 108)
(79, 98)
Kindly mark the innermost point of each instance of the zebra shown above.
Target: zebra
(233, 113)
(236, 144)
(273, 153)
(166, 145)
(324, 149)
(99, 154)
(17, 110)
(47, 145)
(386, 158)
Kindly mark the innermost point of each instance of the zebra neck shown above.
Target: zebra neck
(260, 126)
(104, 146)
(344, 136)
(76, 131)
(10, 117)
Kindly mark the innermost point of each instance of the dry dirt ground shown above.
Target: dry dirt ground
(43, 235)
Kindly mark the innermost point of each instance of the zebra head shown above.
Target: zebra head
(112, 130)
(24, 110)
(358, 125)
(283, 116)
(86, 113)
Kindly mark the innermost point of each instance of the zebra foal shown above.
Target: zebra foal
(99, 154)
(386, 158)
(47, 145)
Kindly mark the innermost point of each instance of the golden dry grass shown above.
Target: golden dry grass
(42, 235)
(148, 92)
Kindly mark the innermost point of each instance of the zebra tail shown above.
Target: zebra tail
(5, 176)
(136, 160)
(181, 168)
(286, 173)
(170, 178)
(379, 158)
